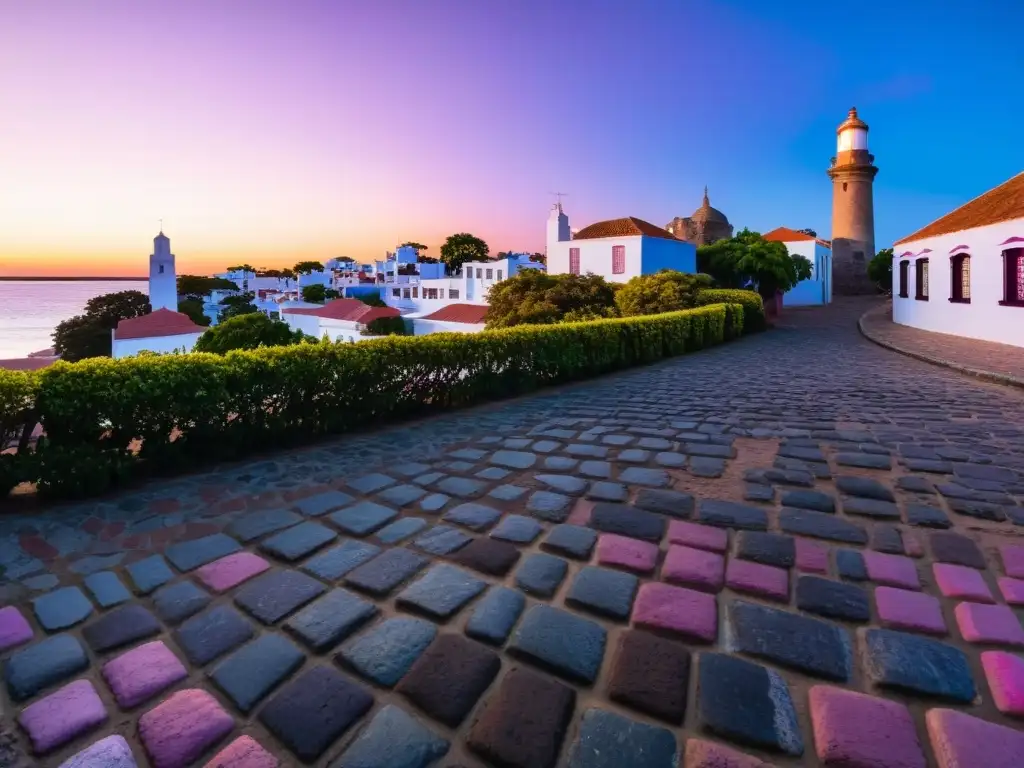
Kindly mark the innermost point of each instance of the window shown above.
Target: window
(405, 293)
(904, 273)
(415, 293)
(469, 272)
(453, 293)
(1013, 281)
(490, 274)
(574, 261)
(396, 292)
(618, 259)
(922, 280)
(960, 272)
(499, 274)
(161, 269)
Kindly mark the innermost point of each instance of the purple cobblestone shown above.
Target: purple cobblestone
(141, 673)
(111, 752)
(228, 572)
(63, 715)
(14, 628)
(180, 729)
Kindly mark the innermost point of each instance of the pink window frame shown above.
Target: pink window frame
(618, 259)
(574, 261)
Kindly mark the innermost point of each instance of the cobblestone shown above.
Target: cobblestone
(489, 556)
(608, 740)
(180, 729)
(627, 521)
(918, 665)
(119, 627)
(566, 644)
(141, 673)
(603, 592)
(394, 738)
(248, 674)
(386, 652)
(326, 622)
(832, 599)
(495, 615)
(61, 716)
(40, 665)
(441, 591)
(386, 571)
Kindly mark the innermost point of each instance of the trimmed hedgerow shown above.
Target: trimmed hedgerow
(751, 301)
(107, 421)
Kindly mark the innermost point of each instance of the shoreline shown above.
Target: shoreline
(62, 279)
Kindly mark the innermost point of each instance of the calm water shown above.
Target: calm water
(29, 311)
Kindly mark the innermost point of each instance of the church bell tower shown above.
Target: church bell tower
(163, 287)
(853, 214)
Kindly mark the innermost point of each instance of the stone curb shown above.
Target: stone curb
(996, 378)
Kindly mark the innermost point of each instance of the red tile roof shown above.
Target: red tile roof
(162, 322)
(352, 310)
(787, 235)
(627, 227)
(30, 363)
(460, 313)
(1003, 203)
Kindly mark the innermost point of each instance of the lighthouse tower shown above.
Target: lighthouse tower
(163, 285)
(853, 213)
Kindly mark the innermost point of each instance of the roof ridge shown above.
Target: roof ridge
(914, 235)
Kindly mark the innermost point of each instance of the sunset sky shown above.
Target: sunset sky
(271, 131)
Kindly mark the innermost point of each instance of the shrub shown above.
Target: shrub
(533, 297)
(248, 332)
(17, 416)
(385, 326)
(751, 301)
(108, 421)
(664, 291)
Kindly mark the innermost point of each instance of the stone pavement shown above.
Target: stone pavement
(797, 549)
(1001, 363)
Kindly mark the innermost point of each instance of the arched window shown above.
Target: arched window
(922, 280)
(960, 278)
(1013, 278)
(904, 274)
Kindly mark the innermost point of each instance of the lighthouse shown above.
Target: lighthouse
(853, 213)
(163, 284)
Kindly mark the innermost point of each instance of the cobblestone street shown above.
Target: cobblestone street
(800, 548)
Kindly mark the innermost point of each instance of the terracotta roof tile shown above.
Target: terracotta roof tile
(1003, 203)
(460, 313)
(627, 227)
(787, 235)
(29, 363)
(162, 322)
(352, 310)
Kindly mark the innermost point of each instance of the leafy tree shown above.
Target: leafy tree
(460, 248)
(194, 309)
(315, 294)
(385, 326)
(249, 332)
(427, 259)
(287, 273)
(540, 258)
(664, 291)
(373, 299)
(880, 270)
(331, 293)
(308, 267)
(748, 259)
(413, 244)
(242, 268)
(535, 297)
(239, 304)
(197, 286)
(88, 335)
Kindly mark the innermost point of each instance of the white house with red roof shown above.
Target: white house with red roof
(339, 320)
(963, 274)
(816, 290)
(160, 331)
(459, 318)
(617, 250)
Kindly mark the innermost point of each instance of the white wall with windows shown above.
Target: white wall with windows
(968, 283)
(618, 259)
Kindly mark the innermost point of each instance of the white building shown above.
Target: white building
(459, 318)
(963, 274)
(617, 250)
(339, 320)
(816, 290)
(163, 281)
(160, 331)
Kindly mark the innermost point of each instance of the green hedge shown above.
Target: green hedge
(108, 420)
(751, 301)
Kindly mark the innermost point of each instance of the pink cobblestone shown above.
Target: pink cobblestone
(581, 512)
(912, 544)
(854, 729)
(1013, 560)
(184, 726)
(698, 536)
(757, 579)
(962, 582)
(14, 628)
(230, 571)
(962, 741)
(708, 754)
(142, 672)
(1012, 589)
(894, 570)
(632, 554)
(675, 609)
(811, 556)
(1005, 675)
(989, 624)
(243, 752)
(63, 715)
(684, 565)
(903, 609)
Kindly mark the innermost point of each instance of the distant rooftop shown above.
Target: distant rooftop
(162, 322)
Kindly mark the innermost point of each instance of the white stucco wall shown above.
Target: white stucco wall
(644, 256)
(984, 318)
(423, 327)
(162, 344)
(818, 289)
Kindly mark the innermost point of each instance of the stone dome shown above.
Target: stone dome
(707, 213)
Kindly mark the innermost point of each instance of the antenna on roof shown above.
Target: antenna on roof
(559, 196)
(161, 225)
